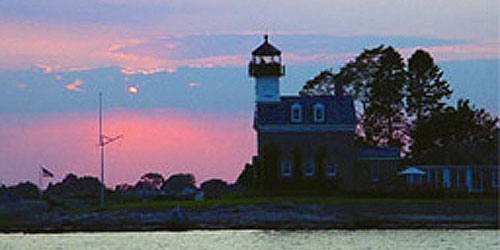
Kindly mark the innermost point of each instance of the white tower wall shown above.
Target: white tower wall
(267, 89)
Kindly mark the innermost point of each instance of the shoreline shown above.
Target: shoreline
(441, 227)
(272, 216)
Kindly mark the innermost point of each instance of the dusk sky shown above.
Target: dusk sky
(187, 60)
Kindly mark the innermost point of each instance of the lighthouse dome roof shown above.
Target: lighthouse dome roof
(266, 49)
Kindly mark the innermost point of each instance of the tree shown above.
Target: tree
(384, 122)
(123, 187)
(73, 186)
(355, 77)
(215, 188)
(425, 88)
(70, 178)
(463, 131)
(402, 105)
(177, 183)
(24, 190)
(150, 181)
(322, 84)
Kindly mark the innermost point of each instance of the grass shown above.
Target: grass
(237, 201)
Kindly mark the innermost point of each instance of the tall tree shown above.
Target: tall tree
(384, 122)
(425, 89)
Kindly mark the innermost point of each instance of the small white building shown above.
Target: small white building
(470, 178)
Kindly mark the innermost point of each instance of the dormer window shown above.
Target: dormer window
(296, 113)
(319, 112)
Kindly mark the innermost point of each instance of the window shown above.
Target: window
(286, 169)
(309, 169)
(330, 170)
(319, 112)
(296, 113)
(374, 174)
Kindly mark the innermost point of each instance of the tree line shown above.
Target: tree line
(403, 104)
(88, 187)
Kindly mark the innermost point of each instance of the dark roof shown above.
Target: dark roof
(266, 49)
(372, 153)
(338, 110)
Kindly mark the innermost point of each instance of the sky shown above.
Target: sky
(192, 104)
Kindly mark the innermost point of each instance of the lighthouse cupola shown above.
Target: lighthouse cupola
(265, 66)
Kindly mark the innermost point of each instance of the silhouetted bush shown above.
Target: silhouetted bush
(177, 183)
(24, 190)
(72, 186)
(215, 188)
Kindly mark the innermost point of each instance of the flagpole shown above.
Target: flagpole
(103, 141)
(40, 180)
(101, 144)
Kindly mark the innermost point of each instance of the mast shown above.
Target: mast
(101, 145)
(103, 141)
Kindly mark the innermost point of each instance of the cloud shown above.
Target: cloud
(74, 86)
(461, 52)
(64, 47)
(194, 84)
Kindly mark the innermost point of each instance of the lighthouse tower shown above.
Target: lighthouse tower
(266, 68)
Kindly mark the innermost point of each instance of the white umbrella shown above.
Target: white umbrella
(411, 171)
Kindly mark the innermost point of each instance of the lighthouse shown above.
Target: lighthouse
(307, 142)
(265, 66)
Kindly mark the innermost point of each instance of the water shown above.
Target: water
(259, 240)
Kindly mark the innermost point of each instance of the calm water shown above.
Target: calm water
(331, 239)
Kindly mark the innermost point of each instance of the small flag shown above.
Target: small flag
(47, 173)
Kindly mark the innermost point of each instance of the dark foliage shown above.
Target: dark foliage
(178, 182)
(425, 89)
(402, 106)
(215, 188)
(150, 181)
(460, 135)
(23, 190)
(383, 117)
(72, 186)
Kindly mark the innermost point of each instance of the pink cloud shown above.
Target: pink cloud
(160, 140)
(74, 86)
(479, 50)
(22, 86)
(61, 47)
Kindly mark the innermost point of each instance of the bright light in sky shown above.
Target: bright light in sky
(133, 89)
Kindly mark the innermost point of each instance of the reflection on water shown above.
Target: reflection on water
(256, 239)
